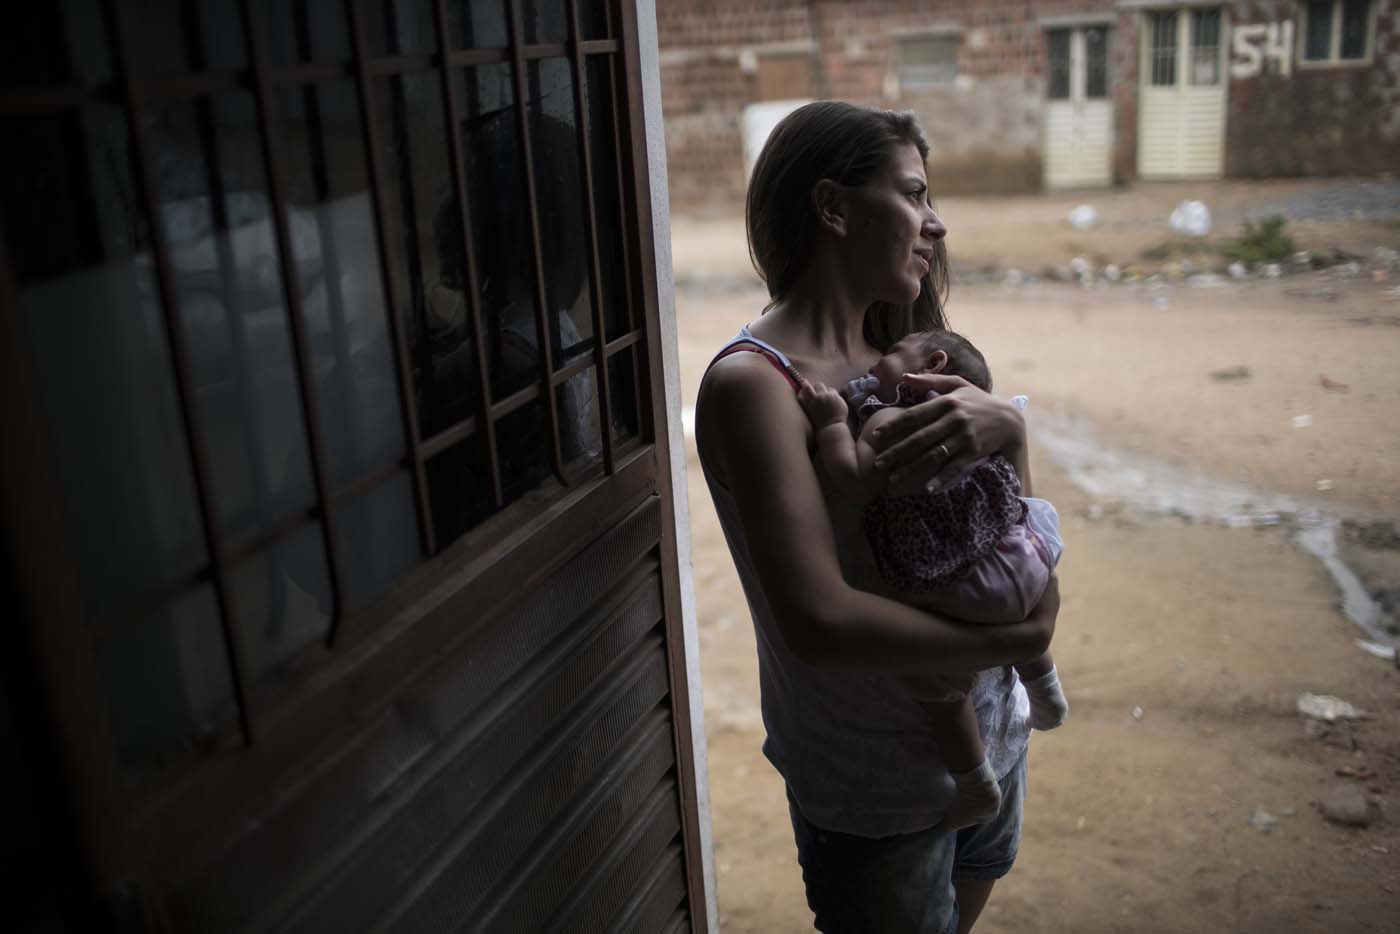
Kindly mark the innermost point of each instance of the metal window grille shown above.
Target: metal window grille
(284, 63)
(1057, 77)
(1205, 47)
(1355, 29)
(1336, 30)
(1096, 62)
(1163, 49)
(1317, 35)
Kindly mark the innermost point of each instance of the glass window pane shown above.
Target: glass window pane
(417, 190)
(1057, 64)
(104, 381)
(595, 19)
(577, 402)
(45, 44)
(283, 600)
(398, 27)
(1317, 43)
(623, 385)
(170, 37)
(495, 182)
(560, 196)
(1356, 22)
(1205, 47)
(525, 445)
(612, 234)
(545, 21)
(378, 538)
(928, 61)
(228, 285)
(339, 272)
(477, 24)
(169, 685)
(1096, 62)
(300, 31)
(459, 486)
(1163, 49)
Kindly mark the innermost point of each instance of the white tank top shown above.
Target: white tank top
(854, 748)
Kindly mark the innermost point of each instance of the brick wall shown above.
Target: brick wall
(1334, 120)
(705, 86)
(988, 130)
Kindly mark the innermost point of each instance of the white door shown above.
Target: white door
(1078, 112)
(1181, 128)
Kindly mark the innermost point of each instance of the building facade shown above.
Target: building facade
(1025, 95)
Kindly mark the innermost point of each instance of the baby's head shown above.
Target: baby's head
(932, 352)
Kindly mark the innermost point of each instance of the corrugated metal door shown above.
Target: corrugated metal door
(336, 498)
(1078, 111)
(1181, 128)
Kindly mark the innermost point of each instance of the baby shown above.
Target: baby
(975, 550)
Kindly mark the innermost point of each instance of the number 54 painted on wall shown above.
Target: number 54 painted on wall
(1247, 55)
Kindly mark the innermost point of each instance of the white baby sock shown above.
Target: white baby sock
(1048, 705)
(978, 799)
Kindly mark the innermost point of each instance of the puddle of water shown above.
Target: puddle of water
(1156, 488)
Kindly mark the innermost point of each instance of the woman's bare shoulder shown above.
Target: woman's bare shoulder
(741, 379)
(744, 400)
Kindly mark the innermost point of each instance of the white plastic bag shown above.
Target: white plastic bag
(1191, 218)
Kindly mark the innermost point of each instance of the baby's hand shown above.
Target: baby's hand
(823, 404)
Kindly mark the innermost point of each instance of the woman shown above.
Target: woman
(842, 230)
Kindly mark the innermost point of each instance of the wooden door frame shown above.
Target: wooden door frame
(1184, 9)
(648, 152)
(1075, 25)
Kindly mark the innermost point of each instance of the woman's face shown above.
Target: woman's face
(893, 229)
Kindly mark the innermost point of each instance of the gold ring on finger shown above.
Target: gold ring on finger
(946, 453)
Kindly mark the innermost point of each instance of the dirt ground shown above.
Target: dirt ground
(1183, 643)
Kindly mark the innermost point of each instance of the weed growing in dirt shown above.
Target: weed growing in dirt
(1262, 242)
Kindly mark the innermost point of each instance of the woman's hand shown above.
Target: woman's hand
(930, 444)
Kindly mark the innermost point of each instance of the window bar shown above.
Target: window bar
(24, 101)
(408, 205)
(320, 177)
(291, 290)
(330, 255)
(615, 99)
(240, 549)
(451, 107)
(184, 382)
(249, 421)
(396, 63)
(408, 411)
(590, 219)
(546, 350)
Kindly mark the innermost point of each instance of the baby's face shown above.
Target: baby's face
(904, 357)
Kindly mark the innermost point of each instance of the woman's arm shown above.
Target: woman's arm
(935, 441)
(750, 428)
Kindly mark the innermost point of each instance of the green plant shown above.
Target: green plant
(1262, 242)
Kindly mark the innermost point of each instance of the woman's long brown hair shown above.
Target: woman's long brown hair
(849, 145)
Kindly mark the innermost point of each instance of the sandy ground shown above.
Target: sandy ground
(1183, 643)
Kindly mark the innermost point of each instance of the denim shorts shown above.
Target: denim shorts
(903, 884)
